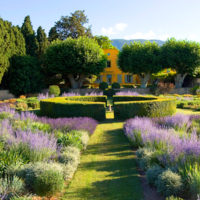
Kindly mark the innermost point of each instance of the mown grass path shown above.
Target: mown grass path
(108, 168)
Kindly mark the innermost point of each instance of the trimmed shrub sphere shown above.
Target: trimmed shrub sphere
(54, 90)
(103, 85)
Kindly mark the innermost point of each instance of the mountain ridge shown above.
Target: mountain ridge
(118, 43)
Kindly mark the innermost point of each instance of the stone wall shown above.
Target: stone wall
(5, 94)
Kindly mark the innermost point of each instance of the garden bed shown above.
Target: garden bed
(38, 154)
(169, 152)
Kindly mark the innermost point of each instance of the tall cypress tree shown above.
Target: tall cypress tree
(30, 38)
(53, 34)
(11, 43)
(42, 41)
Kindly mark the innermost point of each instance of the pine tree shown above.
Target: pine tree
(29, 35)
(42, 41)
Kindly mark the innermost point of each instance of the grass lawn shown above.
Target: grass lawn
(187, 111)
(108, 168)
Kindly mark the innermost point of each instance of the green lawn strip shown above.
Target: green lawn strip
(108, 168)
(187, 111)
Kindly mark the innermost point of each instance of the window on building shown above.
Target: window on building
(109, 63)
(109, 79)
(119, 78)
(128, 78)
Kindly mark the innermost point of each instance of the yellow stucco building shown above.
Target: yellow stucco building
(112, 73)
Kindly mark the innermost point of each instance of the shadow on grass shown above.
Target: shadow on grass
(118, 163)
(112, 189)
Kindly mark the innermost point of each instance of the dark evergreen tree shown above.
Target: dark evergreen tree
(42, 41)
(25, 75)
(53, 35)
(11, 43)
(29, 35)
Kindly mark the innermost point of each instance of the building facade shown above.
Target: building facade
(112, 73)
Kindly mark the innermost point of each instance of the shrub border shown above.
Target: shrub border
(144, 106)
(75, 106)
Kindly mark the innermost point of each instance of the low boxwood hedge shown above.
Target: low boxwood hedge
(126, 107)
(79, 106)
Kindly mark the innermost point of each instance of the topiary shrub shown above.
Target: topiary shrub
(169, 183)
(103, 85)
(109, 92)
(54, 90)
(126, 107)
(153, 173)
(91, 106)
(44, 179)
(115, 85)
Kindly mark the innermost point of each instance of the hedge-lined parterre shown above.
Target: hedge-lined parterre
(75, 106)
(129, 106)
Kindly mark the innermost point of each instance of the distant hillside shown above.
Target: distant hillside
(118, 43)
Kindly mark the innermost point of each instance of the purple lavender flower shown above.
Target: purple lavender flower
(176, 147)
(178, 120)
(45, 96)
(127, 93)
(69, 94)
(76, 123)
(77, 94)
(36, 141)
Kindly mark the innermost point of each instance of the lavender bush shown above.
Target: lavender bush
(26, 138)
(76, 123)
(178, 146)
(127, 93)
(169, 142)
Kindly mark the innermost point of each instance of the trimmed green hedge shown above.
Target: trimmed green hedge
(90, 106)
(126, 107)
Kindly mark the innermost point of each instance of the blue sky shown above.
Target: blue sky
(124, 19)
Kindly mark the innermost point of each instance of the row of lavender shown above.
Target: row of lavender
(169, 152)
(38, 154)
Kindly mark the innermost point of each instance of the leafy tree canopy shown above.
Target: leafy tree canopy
(75, 59)
(72, 26)
(183, 56)
(104, 42)
(141, 59)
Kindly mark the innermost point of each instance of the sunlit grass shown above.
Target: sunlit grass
(108, 168)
